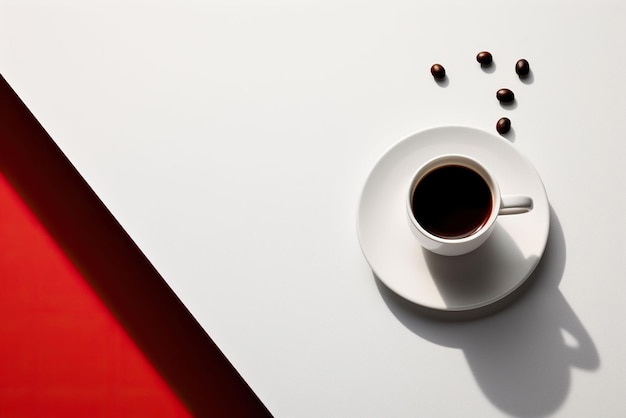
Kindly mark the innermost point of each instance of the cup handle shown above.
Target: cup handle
(512, 204)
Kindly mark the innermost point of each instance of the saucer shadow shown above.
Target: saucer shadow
(522, 356)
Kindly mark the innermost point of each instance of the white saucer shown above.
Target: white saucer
(458, 283)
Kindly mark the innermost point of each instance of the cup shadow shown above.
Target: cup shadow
(522, 357)
(479, 274)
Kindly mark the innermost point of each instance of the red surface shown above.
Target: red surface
(62, 354)
(87, 326)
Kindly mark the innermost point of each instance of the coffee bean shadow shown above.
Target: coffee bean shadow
(521, 349)
(489, 69)
(529, 78)
(511, 135)
(509, 106)
(444, 82)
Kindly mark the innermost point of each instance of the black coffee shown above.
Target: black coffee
(452, 202)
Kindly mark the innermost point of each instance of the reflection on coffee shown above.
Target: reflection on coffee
(452, 201)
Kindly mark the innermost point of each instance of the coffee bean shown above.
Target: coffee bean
(522, 68)
(503, 125)
(438, 71)
(484, 58)
(505, 96)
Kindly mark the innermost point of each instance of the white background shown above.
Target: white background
(231, 139)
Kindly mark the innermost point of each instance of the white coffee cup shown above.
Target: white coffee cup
(453, 203)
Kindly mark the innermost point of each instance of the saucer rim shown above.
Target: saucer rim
(484, 303)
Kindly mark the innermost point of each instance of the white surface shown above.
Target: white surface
(232, 139)
(473, 280)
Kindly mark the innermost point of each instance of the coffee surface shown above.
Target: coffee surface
(452, 202)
